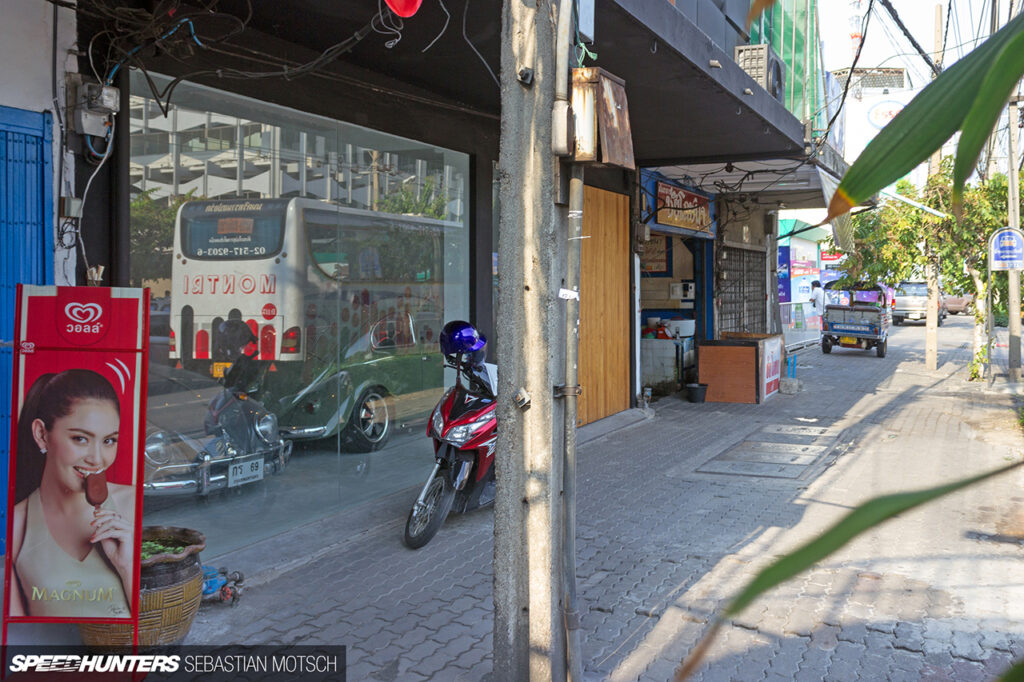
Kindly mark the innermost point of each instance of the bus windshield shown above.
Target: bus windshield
(232, 235)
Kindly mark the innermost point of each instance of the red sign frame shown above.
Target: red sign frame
(91, 342)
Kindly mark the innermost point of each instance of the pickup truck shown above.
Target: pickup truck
(911, 303)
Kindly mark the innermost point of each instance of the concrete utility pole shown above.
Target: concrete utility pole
(1013, 220)
(931, 274)
(529, 637)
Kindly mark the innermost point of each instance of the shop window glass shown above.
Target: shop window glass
(330, 255)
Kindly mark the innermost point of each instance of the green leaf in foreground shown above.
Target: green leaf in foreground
(999, 82)
(1014, 674)
(926, 123)
(863, 518)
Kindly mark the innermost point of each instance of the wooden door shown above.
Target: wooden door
(604, 305)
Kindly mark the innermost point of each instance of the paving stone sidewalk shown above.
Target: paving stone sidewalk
(678, 512)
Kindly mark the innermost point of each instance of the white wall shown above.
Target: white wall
(26, 56)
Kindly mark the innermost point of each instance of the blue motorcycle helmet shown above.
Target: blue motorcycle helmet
(461, 338)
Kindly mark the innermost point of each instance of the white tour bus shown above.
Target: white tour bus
(343, 305)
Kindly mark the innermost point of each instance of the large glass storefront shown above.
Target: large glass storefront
(301, 270)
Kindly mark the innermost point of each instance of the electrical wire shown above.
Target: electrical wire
(387, 22)
(945, 33)
(846, 88)
(88, 185)
(913, 41)
(465, 13)
(447, 20)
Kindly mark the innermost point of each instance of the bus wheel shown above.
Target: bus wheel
(370, 424)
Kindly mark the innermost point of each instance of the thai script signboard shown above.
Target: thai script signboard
(681, 208)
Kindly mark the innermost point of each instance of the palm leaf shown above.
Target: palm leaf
(863, 518)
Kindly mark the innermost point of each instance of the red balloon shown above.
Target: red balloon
(404, 8)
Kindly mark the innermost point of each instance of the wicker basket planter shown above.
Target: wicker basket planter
(171, 587)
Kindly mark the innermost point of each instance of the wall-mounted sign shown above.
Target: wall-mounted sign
(657, 257)
(831, 256)
(771, 366)
(785, 294)
(799, 268)
(681, 208)
(74, 507)
(1006, 249)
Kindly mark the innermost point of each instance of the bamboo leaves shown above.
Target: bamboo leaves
(1002, 77)
(934, 115)
(969, 97)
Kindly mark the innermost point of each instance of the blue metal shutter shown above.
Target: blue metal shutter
(26, 241)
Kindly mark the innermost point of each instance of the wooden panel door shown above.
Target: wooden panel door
(604, 305)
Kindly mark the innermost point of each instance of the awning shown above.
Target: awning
(842, 227)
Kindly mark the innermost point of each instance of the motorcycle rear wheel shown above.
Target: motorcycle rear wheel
(420, 528)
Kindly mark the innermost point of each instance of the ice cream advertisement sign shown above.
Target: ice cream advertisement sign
(74, 506)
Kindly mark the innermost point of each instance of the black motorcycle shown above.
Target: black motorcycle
(238, 442)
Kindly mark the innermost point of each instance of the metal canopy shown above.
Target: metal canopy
(773, 183)
(681, 107)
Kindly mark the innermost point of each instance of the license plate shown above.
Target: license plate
(847, 339)
(219, 369)
(915, 316)
(241, 473)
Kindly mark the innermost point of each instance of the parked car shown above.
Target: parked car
(159, 336)
(388, 376)
(202, 436)
(911, 303)
(959, 303)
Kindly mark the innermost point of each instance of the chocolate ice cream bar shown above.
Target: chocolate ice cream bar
(96, 488)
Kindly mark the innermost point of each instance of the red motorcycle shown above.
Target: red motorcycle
(463, 427)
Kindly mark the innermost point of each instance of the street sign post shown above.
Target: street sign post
(1006, 250)
(1005, 253)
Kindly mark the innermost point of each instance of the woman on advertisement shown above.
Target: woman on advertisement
(72, 541)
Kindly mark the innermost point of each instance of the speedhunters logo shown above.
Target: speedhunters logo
(96, 663)
(205, 663)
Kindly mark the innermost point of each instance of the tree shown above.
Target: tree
(889, 238)
(152, 235)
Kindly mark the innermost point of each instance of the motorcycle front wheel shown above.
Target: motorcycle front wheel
(425, 521)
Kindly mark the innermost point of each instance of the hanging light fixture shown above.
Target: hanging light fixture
(404, 8)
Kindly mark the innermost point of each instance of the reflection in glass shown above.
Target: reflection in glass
(340, 252)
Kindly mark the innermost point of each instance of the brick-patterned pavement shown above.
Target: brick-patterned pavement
(675, 515)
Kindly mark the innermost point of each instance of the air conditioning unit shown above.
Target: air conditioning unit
(764, 66)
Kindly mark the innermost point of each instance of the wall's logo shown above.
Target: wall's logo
(28, 347)
(83, 313)
(83, 318)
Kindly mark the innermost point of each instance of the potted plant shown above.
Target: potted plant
(170, 590)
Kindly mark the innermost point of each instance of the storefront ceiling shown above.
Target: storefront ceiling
(776, 183)
(681, 107)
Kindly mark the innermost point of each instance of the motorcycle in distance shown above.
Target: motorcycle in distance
(463, 427)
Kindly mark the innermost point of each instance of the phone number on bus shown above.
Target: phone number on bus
(232, 251)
